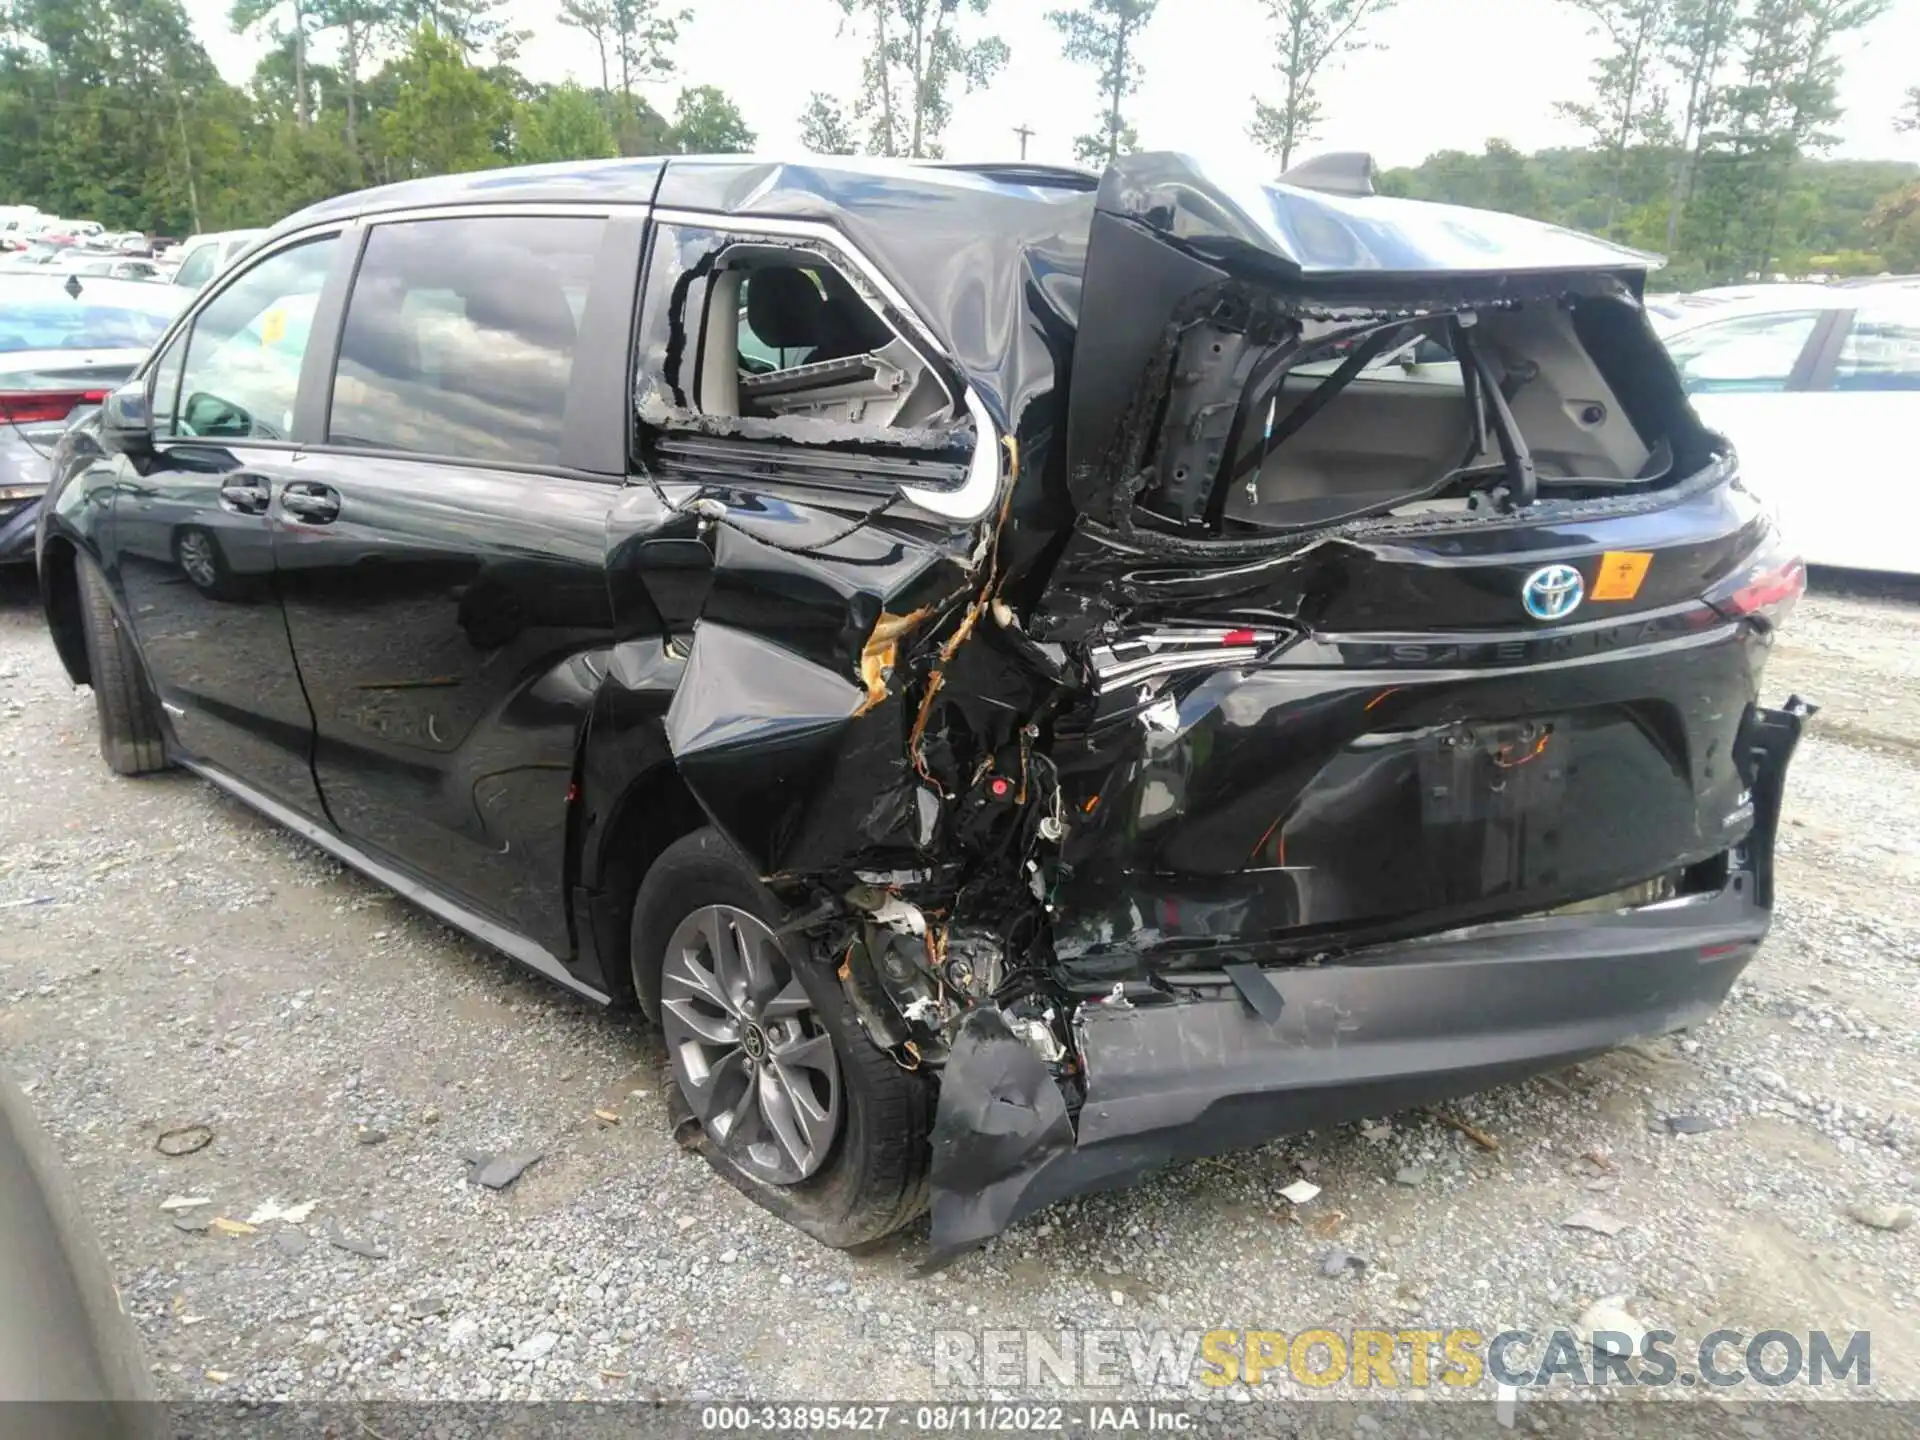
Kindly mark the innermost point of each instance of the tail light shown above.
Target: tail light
(40, 407)
(1766, 590)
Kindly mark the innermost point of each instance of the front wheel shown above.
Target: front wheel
(131, 740)
(795, 1107)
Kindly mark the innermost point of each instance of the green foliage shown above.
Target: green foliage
(567, 123)
(823, 127)
(1895, 224)
(1827, 209)
(112, 110)
(447, 116)
(1106, 35)
(706, 122)
(914, 53)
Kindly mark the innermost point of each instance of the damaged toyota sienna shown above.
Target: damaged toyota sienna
(1024, 676)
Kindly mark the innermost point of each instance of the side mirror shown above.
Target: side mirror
(126, 421)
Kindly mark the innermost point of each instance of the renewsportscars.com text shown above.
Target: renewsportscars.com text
(1460, 1359)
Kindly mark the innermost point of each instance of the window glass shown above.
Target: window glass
(64, 324)
(197, 268)
(242, 367)
(1881, 352)
(164, 398)
(1752, 354)
(460, 337)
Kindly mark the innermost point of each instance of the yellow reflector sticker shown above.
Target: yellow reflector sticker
(1620, 574)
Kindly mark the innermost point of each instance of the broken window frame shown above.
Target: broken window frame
(1373, 340)
(960, 464)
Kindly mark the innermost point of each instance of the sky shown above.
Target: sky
(1448, 74)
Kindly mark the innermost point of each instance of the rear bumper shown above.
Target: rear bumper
(1213, 1063)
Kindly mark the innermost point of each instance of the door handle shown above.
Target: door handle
(305, 500)
(247, 494)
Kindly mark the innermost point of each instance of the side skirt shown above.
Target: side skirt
(508, 942)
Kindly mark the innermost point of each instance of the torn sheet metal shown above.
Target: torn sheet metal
(1002, 1120)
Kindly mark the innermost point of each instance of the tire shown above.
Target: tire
(131, 740)
(872, 1179)
(196, 550)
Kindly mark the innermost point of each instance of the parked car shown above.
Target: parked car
(201, 257)
(83, 262)
(37, 252)
(65, 341)
(1819, 390)
(700, 579)
(66, 1341)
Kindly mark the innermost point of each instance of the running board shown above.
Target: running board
(507, 942)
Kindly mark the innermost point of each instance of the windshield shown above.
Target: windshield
(70, 325)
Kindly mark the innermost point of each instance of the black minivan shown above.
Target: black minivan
(1023, 675)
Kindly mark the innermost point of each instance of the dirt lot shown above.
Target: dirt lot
(167, 959)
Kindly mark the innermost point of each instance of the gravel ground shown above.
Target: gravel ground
(167, 960)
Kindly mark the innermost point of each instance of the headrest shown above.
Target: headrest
(784, 308)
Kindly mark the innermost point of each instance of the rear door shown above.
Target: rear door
(1868, 513)
(441, 549)
(1754, 378)
(193, 530)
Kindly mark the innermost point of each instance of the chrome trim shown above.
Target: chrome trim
(1114, 671)
(459, 210)
(508, 942)
(973, 500)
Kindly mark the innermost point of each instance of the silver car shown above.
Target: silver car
(65, 341)
(64, 1332)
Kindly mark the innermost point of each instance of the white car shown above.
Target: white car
(201, 257)
(1819, 390)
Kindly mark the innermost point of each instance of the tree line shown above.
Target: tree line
(113, 109)
(1707, 122)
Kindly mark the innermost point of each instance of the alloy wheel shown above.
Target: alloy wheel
(198, 559)
(747, 1047)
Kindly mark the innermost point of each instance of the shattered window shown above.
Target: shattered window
(769, 339)
(787, 336)
(1437, 411)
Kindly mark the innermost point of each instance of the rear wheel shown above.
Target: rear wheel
(794, 1106)
(130, 735)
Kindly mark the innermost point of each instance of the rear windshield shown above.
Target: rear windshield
(75, 325)
(1337, 420)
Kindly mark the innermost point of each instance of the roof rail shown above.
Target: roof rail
(1021, 172)
(1341, 172)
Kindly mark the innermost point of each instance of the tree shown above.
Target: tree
(359, 22)
(1778, 107)
(1106, 35)
(1895, 228)
(567, 123)
(642, 36)
(915, 54)
(1312, 35)
(1697, 39)
(706, 122)
(594, 18)
(823, 127)
(1909, 118)
(445, 113)
(1627, 110)
(471, 25)
(249, 14)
